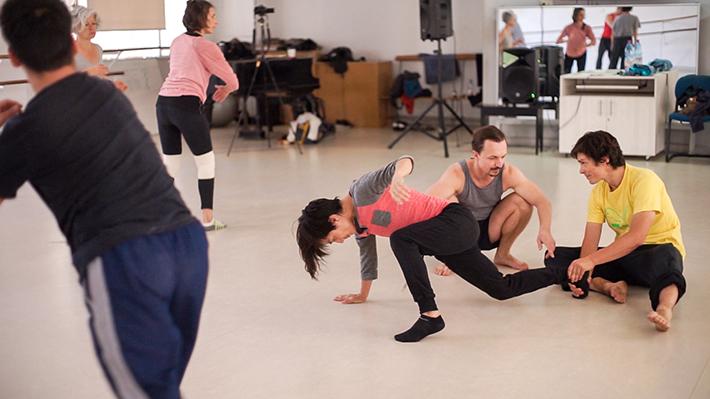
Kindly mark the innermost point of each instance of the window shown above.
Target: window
(127, 39)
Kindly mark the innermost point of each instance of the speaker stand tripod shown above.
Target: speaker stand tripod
(440, 104)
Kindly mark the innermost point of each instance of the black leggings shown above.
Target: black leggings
(617, 52)
(581, 62)
(604, 47)
(183, 116)
(653, 266)
(448, 238)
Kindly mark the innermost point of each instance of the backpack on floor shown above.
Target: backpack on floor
(305, 129)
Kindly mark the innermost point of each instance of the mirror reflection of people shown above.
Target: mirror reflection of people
(625, 29)
(518, 37)
(605, 41)
(576, 35)
(507, 35)
(89, 55)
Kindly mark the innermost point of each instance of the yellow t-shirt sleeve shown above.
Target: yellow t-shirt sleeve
(646, 195)
(595, 207)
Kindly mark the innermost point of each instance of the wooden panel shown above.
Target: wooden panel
(359, 96)
(332, 91)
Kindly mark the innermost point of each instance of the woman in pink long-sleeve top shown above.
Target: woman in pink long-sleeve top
(193, 59)
(576, 35)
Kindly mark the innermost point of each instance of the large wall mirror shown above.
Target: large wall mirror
(666, 31)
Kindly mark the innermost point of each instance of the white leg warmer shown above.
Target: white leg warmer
(205, 165)
(172, 163)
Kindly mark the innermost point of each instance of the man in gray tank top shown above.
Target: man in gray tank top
(479, 182)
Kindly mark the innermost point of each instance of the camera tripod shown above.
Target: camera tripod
(440, 103)
(262, 22)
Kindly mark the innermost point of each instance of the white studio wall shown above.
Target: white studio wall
(381, 30)
(236, 19)
(377, 30)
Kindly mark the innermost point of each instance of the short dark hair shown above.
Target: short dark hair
(597, 145)
(313, 226)
(38, 32)
(483, 133)
(626, 9)
(195, 18)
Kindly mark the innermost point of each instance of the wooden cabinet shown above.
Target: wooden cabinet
(359, 96)
(632, 108)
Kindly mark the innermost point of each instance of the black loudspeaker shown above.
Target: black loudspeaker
(519, 75)
(550, 61)
(435, 17)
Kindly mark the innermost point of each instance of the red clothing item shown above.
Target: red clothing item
(606, 34)
(385, 216)
(193, 59)
(408, 103)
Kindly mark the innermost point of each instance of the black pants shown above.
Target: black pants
(484, 240)
(448, 238)
(617, 52)
(652, 266)
(581, 62)
(604, 47)
(184, 116)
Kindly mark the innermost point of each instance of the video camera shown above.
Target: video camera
(262, 10)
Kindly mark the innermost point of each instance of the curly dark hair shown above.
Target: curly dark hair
(195, 18)
(313, 226)
(597, 145)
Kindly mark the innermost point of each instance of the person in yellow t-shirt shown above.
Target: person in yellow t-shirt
(648, 249)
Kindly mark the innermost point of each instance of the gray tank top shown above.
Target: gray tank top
(82, 63)
(480, 201)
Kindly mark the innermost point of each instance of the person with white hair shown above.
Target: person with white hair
(511, 35)
(89, 55)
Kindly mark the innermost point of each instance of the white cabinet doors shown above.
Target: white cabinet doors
(579, 115)
(631, 119)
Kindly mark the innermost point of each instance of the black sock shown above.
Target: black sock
(561, 273)
(424, 326)
(583, 283)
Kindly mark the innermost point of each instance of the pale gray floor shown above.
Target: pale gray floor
(268, 331)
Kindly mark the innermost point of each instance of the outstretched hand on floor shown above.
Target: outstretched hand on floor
(350, 299)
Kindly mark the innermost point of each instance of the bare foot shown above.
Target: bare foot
(509, 261)
(661, 318)
(442, 270)
(618, 291)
